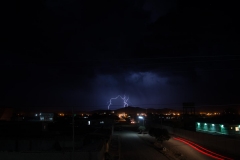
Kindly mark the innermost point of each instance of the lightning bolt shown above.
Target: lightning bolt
(124, 98)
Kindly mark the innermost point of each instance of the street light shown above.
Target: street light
(141, 117)
(142, 128)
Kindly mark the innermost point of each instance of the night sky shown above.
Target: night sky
(160, 53)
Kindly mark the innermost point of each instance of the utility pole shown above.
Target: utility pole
(143, 126)
(161, 122)
(73, 132)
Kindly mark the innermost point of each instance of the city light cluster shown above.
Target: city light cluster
(142, 114)
(209, 113)
(175, 114)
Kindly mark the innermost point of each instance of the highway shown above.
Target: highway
(134, 148)
(188, 152)
(186, 149)
(177, 148)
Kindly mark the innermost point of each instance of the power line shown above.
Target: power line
(135, 105)
(129, 59)
(154, 58)
(158, 65)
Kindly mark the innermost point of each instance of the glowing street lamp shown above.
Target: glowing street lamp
(141, 117)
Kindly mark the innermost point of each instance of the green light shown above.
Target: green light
(213, 125)
(198, 123)
(205, 124)
(222, 125)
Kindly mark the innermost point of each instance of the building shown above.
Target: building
(6, 114)
(46, 116)
(217, 128)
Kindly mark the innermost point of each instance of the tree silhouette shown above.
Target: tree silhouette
(160, 134)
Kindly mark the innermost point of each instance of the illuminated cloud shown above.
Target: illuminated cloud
(146, 79)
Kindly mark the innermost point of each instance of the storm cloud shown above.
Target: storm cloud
(82, 53)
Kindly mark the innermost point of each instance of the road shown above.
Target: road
(188, 152)
(177, 147)
(134, 148)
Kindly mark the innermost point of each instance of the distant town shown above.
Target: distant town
(92, 134)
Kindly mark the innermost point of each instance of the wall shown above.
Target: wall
(51, 155)
(25, 149)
